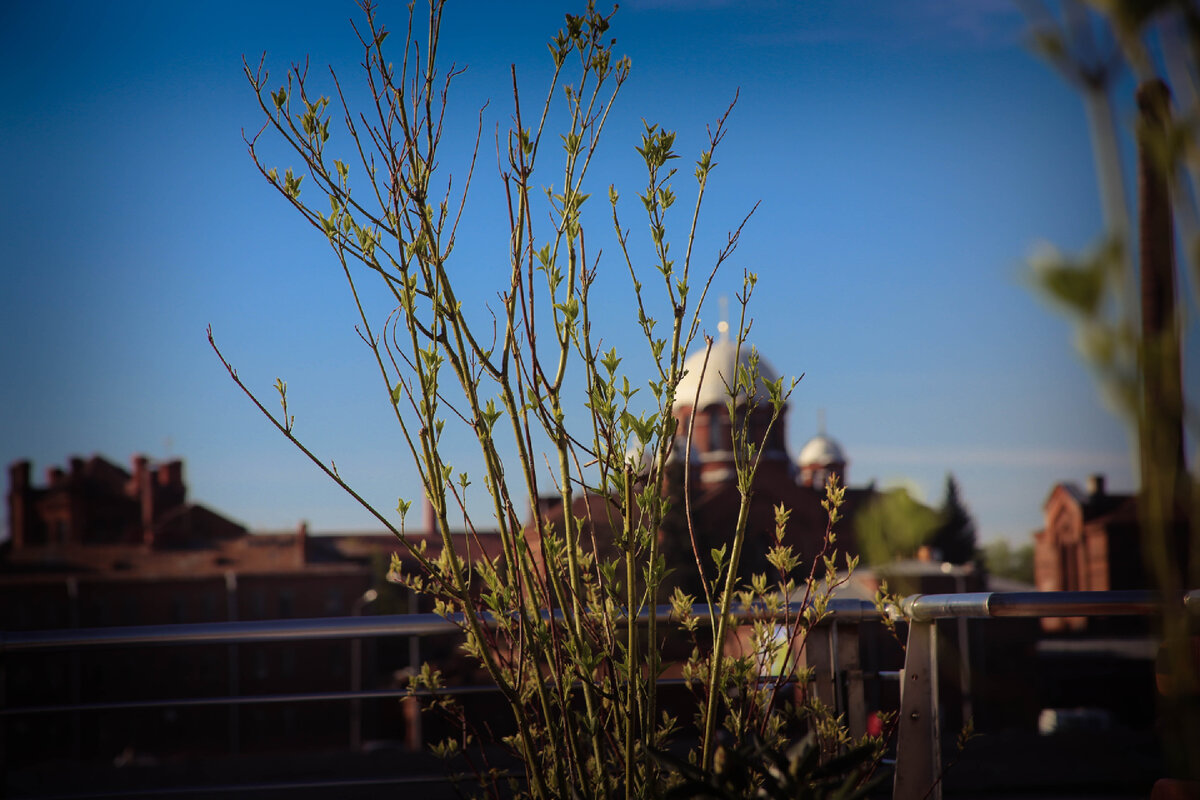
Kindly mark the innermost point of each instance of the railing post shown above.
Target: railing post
(356, 669)
(918, 743)
(413, 733)
(850, 677)
(413, 738)
(356, 672)
(819, 657)
(3, 719)
(75, 668)
(231, 614)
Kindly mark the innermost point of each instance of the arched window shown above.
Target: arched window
(717, 423)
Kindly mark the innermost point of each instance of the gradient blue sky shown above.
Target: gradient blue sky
(909, 157)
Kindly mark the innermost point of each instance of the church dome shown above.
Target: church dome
(719, 374)
(821, 451)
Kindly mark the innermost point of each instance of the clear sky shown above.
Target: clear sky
(908, 156)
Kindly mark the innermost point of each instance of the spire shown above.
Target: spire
(723, 325)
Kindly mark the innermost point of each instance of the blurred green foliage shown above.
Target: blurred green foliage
(1003, 560)
(954, 537)
(894, 526)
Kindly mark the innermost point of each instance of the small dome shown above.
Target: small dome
(821, 451)
(641, 460)
(718, 375)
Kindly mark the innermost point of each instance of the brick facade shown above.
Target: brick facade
(1090, 542)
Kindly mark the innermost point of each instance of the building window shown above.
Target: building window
(334, 602)
(288, 662)
(209, 607)
(258, 604)
(819, 478)
(1070, 567)
(130, 611)
(100, 611)
(260, 664)
(285, 603)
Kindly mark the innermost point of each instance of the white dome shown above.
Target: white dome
(821, 451)
(641, 461)
(719, 375)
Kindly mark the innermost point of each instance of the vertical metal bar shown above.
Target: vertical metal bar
(231, 614)
(412, 707)
(964, 670)
(918, 746)
(850, 677)
(75, 672)
(356, 671)
(3, 720)
(818, 656)
(964, 656)
(356, 668)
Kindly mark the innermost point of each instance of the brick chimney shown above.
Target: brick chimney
(20, 511)
(1095, 485)
(302, 542)
(169, 489)
(143, 492)
(429, 520)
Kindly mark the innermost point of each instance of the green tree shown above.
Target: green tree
(954, 537)
(1003, 561)
(893, 526)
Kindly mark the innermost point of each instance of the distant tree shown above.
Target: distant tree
(955, 534)
(1003, 561)
(893, 526)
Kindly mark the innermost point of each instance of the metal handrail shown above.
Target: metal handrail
(918, 750)
(291, 697)
(1029, 604)
(239, 632)
(240, 700)
(978, 605)
(327, 628)
(918, 735)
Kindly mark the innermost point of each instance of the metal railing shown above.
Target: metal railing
(828, 659)
(918, 744)
(834, 640)
(832, 653)
(323, 628)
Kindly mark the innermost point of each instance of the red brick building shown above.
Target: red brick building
(98, 546)
(1090, 542)
(96, 502)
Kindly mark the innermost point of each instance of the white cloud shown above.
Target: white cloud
(1014, 457)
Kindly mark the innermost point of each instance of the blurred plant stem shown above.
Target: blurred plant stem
(1137, 349)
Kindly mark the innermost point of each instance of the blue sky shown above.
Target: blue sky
(908, 159)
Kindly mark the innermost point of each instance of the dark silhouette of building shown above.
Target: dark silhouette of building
(96, 502)
(99, 546)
